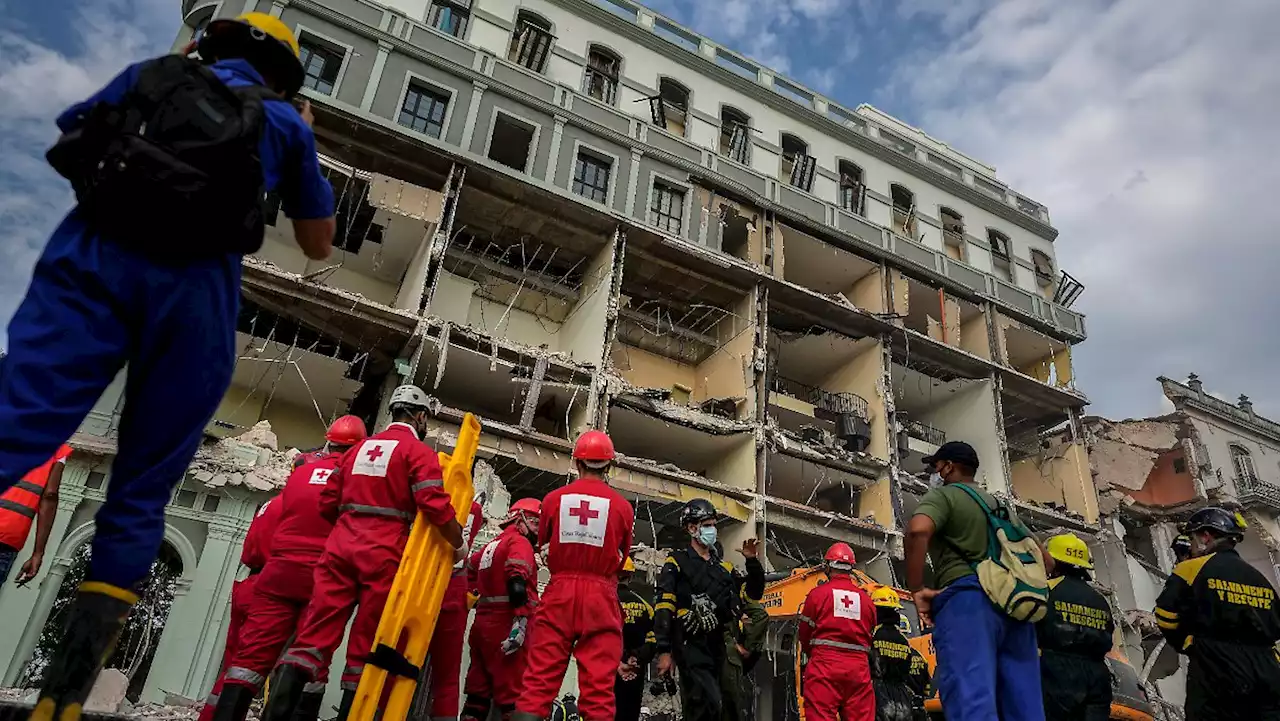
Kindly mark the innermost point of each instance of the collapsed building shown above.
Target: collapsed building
(768, 300)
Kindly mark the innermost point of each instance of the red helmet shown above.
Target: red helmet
(840, 553)
(529, 506)
(594, 448)
(346, 431)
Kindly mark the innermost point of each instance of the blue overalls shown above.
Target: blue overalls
(94, 306)
(988, 664)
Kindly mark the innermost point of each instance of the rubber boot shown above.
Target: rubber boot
(93, 628)
(309, 705)
(233, 703)
(344, 706)
(287, 687)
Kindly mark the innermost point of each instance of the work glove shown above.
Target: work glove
(515, 639)
(460, 553)
(701, 617)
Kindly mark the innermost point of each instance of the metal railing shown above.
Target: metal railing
(819, 398)
(1257, 492)
(925, 432)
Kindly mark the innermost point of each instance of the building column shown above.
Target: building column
(34, 601)
(189, 640)
(375, 77)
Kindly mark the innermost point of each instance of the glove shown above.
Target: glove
(701, 617)
(515, 639)
(460, 553)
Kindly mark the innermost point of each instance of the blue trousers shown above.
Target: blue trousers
(94, 306)
(988, 664)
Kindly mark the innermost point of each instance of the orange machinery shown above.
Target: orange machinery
(784, 597)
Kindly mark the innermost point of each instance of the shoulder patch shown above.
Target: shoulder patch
(1053, 582)
(727, 566)
(671, 561)
(1190, 568)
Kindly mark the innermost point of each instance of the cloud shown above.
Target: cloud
(1147, 127)
(37, 81)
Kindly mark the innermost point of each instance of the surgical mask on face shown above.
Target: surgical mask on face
(707, 535)
(936, 480)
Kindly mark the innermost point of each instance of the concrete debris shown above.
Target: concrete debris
(1123, 453)
(250, 460)
(655, 402)
(108, 692)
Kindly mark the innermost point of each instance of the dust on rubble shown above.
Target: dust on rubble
(251, 459)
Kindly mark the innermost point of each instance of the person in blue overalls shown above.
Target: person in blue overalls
(171, 163)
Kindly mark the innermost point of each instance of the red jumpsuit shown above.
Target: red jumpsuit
(586, 528)
(373, 497)
(253, 555)
(493, 675)
(445, 654)
(284, 586)
(835, 633)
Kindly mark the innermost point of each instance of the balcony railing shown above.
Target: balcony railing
(819, 398)
(925, 432)
(1254, 492)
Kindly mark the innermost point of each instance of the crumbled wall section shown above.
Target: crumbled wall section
(251, 459)
(1124, 452)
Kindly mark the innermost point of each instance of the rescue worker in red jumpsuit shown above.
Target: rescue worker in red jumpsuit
(836, 625)
(586, 529)
(253, 555)
(373, 497)
(445, 652)
(284, 586)
(505, 576)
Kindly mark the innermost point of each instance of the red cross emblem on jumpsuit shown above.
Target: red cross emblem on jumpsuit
(835, 633)
(587, 529)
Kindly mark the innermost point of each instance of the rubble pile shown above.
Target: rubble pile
(252, 460)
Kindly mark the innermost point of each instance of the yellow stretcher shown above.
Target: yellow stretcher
(414, 604)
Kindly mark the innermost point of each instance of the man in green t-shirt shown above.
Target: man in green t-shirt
(988, 664)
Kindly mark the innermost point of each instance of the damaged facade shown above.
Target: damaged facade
(766, 299)
(1151, 474)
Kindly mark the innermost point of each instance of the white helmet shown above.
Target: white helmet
(409, 397)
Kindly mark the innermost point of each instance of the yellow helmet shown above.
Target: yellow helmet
(886, 597)
(1069, 549)
(628, 565)
(264, 40)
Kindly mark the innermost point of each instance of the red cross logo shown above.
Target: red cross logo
(375, 453)
(847, 601)
(584, 513)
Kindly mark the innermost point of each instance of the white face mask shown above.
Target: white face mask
(936, 480)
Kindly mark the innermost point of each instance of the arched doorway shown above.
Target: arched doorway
(143, 629)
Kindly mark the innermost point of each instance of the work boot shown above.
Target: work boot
(287, 687)
(344, 706)
(93, 628)
(309, 705)
(233, 704)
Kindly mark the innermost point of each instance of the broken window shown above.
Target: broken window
(797, 165)
(735, 233)
(853, 193)
(735, 135)
(450, 16)
(1179, 465)
(321, 62)
(353, 215)
(999, 244)
(591, 176)
(670, 107)
(423, 109)
(952, 226)
(904, 210)
(601, 79)
(1043, 264)
(1242, 460)
(531, 41)
(666, 208)
(512, 142)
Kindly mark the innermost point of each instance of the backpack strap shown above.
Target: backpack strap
(991, 531)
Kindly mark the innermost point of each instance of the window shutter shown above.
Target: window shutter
(802, 172)
(657, 110)
(738, 143)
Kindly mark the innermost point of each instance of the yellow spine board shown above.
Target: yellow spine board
(413, 606)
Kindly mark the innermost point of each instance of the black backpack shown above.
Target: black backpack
(174, 169)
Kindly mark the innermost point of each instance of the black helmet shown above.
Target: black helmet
(1216, 519)
(1181, 544)
(697, 511)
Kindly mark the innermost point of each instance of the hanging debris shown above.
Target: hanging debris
(251, 459)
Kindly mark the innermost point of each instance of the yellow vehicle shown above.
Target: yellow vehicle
(784, 597)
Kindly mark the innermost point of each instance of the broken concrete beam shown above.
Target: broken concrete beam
(108, 692)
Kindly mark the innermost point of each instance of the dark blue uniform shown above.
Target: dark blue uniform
(95, 305)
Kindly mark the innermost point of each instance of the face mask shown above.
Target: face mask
(707, 536)
(936, 480)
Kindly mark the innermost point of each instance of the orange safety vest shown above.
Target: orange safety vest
(19, 504)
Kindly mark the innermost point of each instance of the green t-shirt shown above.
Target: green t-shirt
(959, 522)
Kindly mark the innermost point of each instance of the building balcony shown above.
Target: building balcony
(1254, 492)
(925, 432)
(835, 403)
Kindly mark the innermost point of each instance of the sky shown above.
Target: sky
(1146, 126)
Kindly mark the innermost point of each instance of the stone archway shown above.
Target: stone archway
(170, 576)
